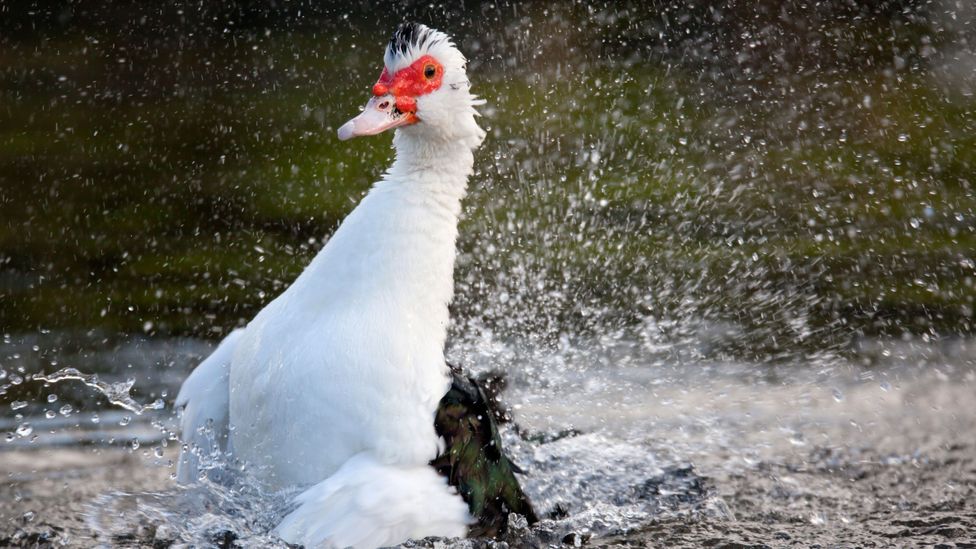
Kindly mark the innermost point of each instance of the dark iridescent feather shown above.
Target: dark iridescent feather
(473, 460)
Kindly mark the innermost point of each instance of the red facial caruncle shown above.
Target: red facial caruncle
(394, 101)
(420, 78)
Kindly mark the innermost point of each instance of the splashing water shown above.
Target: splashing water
(117, 393)
(209, 514)
(586, 484)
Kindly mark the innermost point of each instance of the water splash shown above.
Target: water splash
(583, 484)
(209, 514)
(117, 393)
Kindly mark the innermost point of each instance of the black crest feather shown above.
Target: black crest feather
(410, 34)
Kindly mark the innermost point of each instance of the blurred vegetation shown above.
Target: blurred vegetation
(802, 172)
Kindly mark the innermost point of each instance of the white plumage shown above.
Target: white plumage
(335, 383)
(204, 399)
(345, 509)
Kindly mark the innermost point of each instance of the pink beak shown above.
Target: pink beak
(379, 115)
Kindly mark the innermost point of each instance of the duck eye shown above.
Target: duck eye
(430, 71)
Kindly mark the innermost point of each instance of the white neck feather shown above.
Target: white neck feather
(392, 259)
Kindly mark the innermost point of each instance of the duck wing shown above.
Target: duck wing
(473, 460)
(204, 399)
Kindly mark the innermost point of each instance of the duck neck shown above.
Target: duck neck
(432, 167)
(392, 259)
(424, 188)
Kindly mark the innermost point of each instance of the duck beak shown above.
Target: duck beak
(380, 114)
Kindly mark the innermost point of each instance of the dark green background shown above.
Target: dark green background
(794, 173)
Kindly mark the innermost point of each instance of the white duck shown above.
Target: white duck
(335, 384)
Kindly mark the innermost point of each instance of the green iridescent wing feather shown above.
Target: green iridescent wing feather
(473, 460)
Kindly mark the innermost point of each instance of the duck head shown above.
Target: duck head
(423, 90)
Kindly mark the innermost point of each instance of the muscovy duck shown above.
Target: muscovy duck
(340, 384)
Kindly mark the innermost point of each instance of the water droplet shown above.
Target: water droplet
(838, 394)
(117, 393)
(50, 414)
(95, 418)
(52, 398)
(66, 410)
(24, 429)
(125, 420)
(18, 404)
